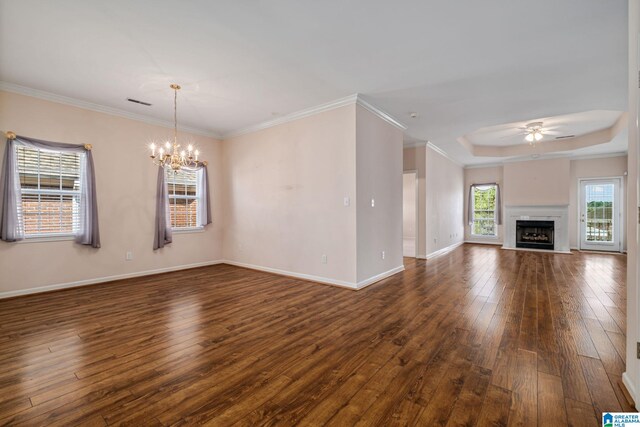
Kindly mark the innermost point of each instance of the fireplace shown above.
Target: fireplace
(534, 234)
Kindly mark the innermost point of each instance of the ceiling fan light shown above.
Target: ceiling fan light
(538, 136)
(529, 137)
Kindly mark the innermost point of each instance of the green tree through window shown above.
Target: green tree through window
(484, 207)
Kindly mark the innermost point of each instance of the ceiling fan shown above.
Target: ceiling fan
(534, 132)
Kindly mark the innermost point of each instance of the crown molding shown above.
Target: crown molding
(380, 113)
(347, 100)
(548, 157)
(435, 148)
(443, 153)
(60, 99)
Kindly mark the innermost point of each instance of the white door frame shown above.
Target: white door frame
(416, 227)
(621, 206)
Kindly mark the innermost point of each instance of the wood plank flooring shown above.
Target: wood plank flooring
(479, 336)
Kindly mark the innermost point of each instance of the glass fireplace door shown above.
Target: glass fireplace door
(600, 215)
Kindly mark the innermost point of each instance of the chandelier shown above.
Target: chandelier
(533, 132)
(169, 154)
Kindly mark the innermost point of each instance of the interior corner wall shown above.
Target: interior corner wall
(444, 202)
(594, 168)
(482, 176)
(126, 189)
(379, 159)
(415, 159)
(284, 197)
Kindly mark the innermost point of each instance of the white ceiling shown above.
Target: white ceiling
(461, 65)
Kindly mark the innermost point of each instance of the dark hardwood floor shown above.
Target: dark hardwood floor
(479, 336)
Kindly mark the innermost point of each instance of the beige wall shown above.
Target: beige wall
(440, 199)
(409, 206)
(593, 168)
(482, 176)
(444, 202)
(379, 178)
(126, 185)
(285, 189)
(537, 182)
(284, 193)
(415, 159)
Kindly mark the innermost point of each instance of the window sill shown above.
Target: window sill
(47, 239)
(187, 230)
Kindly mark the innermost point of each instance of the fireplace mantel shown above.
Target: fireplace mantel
(559, 214)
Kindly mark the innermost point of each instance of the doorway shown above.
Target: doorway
(600, 220)
(409, 213)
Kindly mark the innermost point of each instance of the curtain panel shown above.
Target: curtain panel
(498, 209)
(11, 221)
(162, 233)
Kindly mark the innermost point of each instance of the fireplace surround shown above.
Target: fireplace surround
(556, 214)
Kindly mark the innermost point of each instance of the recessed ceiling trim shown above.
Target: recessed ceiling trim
(547, 157)
(342, 102)
(60, 99)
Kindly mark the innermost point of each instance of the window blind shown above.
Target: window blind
(50, 186)
(183, 198)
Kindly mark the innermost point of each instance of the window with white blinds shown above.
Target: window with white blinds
(183, 199)
(50, 186)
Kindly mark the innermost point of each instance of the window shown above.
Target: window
(50, 187)
(484, 210)
(183, 199)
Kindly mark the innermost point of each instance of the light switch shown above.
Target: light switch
(347, 201)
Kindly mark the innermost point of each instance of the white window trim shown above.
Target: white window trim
(198, 197)
(48, 237)
(495, 223)
(187, 230)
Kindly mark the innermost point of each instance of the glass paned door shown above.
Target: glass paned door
(600, 215)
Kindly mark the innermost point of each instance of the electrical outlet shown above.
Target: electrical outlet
(373, 203)
(324, 259)
(383, 254)
(128, 256)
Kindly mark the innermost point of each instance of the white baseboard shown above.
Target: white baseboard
(10, 294)
(444, 250)
(319, 279)
(378, 277)
(94, 281)
(485, 242)
(631, 389)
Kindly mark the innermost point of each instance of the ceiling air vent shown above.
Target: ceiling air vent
(565, 136)
(135, 101)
